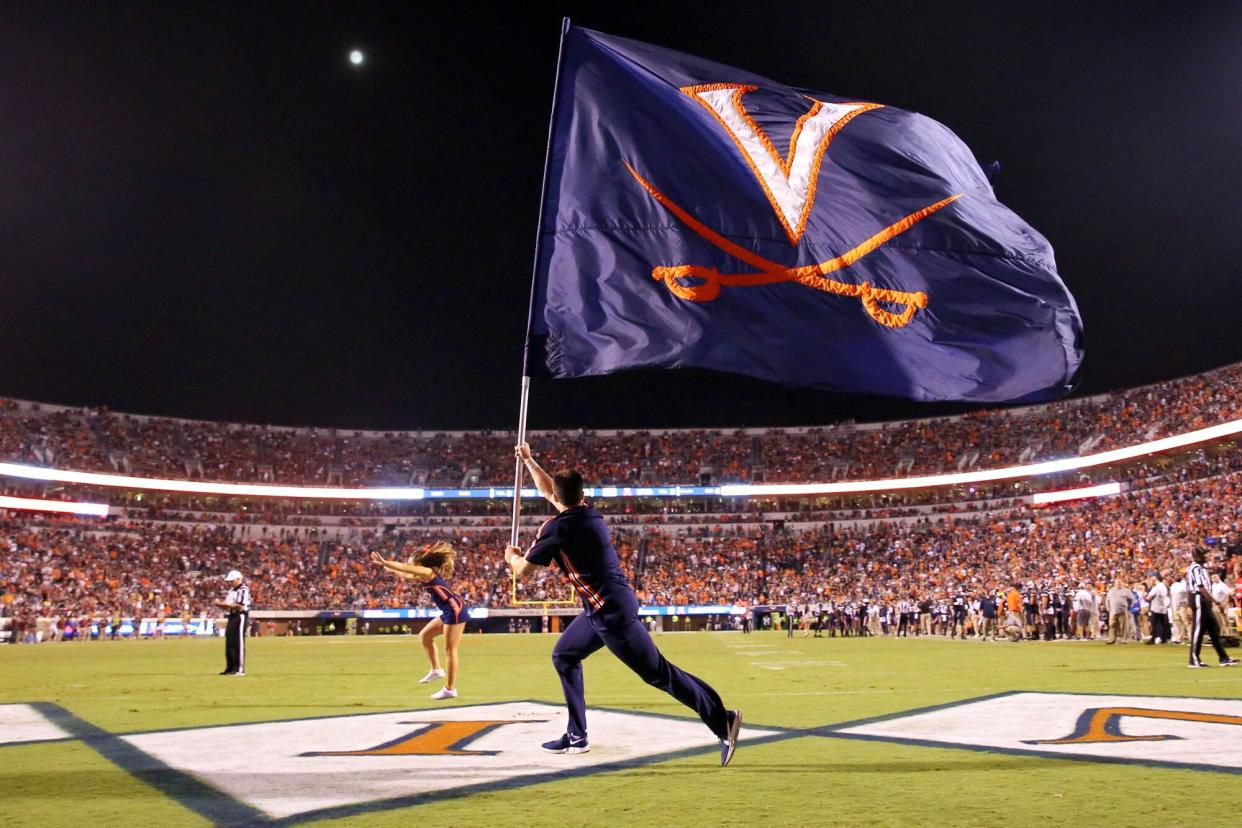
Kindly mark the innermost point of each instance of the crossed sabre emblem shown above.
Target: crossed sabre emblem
(789, 184)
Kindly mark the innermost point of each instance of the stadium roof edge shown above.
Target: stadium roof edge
(874, 425)
(1216, 432)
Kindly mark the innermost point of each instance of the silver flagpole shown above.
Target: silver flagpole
(530, 311)
(517, 463)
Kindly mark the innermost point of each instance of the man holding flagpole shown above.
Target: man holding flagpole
(577, 540)
(697, 215)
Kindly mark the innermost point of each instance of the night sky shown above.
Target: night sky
(207, 212)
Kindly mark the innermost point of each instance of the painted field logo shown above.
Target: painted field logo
(313, 768)
(1154, 730)
(1103, 724)
(431, 739)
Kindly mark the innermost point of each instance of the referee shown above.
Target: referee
(1198, 587)
(237, 604)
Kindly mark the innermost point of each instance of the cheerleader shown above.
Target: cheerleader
(430, 567)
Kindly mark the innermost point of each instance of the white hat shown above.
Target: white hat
(233, 575)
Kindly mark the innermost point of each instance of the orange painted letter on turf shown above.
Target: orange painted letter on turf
(435, 739)
(1103, 724)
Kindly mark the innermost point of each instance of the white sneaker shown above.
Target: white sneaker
(444, 693)
(432, 676)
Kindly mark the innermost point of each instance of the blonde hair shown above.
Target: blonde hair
(440, 557)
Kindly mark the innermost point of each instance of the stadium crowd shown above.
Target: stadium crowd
(854, 563)
(101, 440)
(864, 576)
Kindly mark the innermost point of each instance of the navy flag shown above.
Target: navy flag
(697, 215)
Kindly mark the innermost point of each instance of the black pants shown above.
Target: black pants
(1203, 620)
(235, 643)
(1033, 619)
(959, 624)
(630, 642)
(1160, 627)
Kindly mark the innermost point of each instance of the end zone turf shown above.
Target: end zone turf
(811, 758)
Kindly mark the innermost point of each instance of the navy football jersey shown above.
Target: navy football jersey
(578, 541)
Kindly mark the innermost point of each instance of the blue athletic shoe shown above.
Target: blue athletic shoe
(567, 744)
(729, 743)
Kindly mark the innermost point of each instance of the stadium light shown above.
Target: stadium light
(1104, 490)
(201, 487)
(66, 507)
(1203, 435)
(1190, 438)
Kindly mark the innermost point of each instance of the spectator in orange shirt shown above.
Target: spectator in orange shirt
(1013, 617)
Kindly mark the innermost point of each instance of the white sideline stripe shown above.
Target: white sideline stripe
(744, 649)
(732, 490)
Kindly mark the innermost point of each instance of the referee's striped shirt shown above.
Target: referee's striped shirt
(1196, 577)
(239, 595)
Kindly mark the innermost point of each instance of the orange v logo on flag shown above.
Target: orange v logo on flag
(788, 181)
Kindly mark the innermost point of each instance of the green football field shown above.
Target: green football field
(796, 687)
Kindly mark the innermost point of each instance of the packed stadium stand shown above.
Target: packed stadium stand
(101, 440)
(159, 554)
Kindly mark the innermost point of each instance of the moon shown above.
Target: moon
(356, 57)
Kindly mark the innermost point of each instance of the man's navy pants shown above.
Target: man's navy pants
(629, 641)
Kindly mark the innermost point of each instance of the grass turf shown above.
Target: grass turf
(792, 683)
